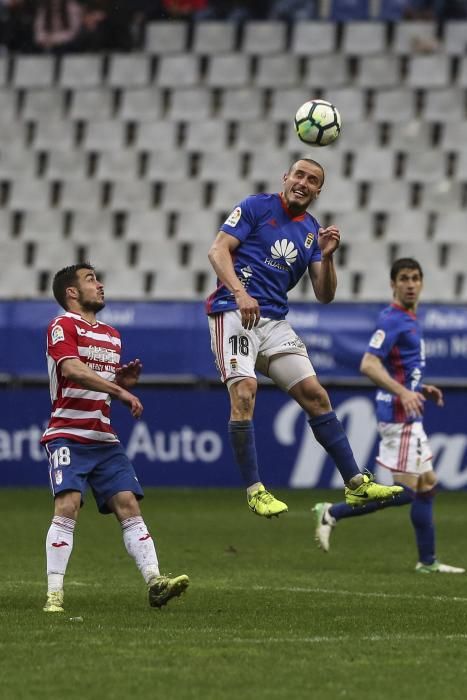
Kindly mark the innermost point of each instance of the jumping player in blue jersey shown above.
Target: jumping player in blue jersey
(268, 242)
(394, 361)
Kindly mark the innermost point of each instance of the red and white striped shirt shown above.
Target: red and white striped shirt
(78, 413)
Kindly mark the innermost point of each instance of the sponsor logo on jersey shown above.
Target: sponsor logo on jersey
(377, 339)
(310, 237)
(234, 217)
(57, 334)
(233, 363)
(246, 271)
(284, 250)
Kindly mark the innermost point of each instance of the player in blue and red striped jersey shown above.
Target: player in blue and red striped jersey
(263, 249)
(83, 357)
(395, 361)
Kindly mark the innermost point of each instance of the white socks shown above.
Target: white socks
(140, 546)
(58, 547)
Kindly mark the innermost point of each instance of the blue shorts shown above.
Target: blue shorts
(106, 468)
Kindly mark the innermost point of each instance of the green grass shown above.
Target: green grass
(267, 615)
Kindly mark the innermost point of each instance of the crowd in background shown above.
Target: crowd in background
(66, 26)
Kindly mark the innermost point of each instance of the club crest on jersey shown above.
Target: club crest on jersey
(234, 217)
(58, 476)
(57, 334)
(377, 339)
(310, 237)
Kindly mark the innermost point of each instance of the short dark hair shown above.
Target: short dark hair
(308, 160)
(405, 264)
(67, 277)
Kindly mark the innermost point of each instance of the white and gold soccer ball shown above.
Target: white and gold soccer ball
(317, 123)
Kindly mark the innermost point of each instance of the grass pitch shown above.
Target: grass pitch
(267, 615)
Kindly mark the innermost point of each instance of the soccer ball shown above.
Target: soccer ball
(317, 123)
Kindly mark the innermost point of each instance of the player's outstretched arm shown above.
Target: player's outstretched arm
(373, 368)
(79, 373)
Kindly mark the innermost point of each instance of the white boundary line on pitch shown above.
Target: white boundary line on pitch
(348, 638)
(330, 591)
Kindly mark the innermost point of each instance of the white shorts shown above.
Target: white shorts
(404, 447)
(240, 352)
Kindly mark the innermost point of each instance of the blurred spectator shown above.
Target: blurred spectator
(292, 10)
(16, 30)
(57, 24)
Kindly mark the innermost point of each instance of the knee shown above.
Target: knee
(242, 396)
(124, 505)
(427, 482)
(67, 505)
(316, 400)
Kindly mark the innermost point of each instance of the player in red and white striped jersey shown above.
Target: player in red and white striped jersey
(85, 373)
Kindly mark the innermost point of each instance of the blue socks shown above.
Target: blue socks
(242, 441)
(329, 432)
(343, 510)
(421, 515)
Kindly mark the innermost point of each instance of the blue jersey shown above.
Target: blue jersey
(398, 342)
(275, 251)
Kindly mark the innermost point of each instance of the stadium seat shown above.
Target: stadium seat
(33, 71)
(442, 196)
(396, 105)
(91, 104)
(104, 136)
(409, 35)
(117, 165)
(325, 72)
(461, 166)
(12, 135)
(106, 254)
(47, 224)
(221, 165)
(190, 103)
(361, 254)
(391, 195)
(211, 37)
(53, 253)
(363, 38)
(428, 71)
(356, 136)
(129, 71)
(27, 193)
(252, 135)
(193, 226)
(349, 101)
(81, 71)
(285, 102)
(462, 75)
(59, 134)
(16, 163)
(228, 193)
(369, 164)
(425, 166)
(165, 166)
(402, 226)
(228, 70)
(17, 281)
(123, 283)
(277, 71)
(162, 133)
(337, 196)
(206, 135)
(450, 227)
(413, 135)
(66, 164)
(241, 103)
(173, 283)
(145, 225)
(177, 71)
(379, 72)
(141, 104)
(86, 226)
(355, 225)
(457, 256)
(455, 37)
(444, 105)
(452, 135)
(267, 164)
(128, 195)
(80, 195)
(176, 194)
(43, 105)
(8, 100)
(310, 38)
(166, 37)
(264, 37)
(3, 71)
(373, 286)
